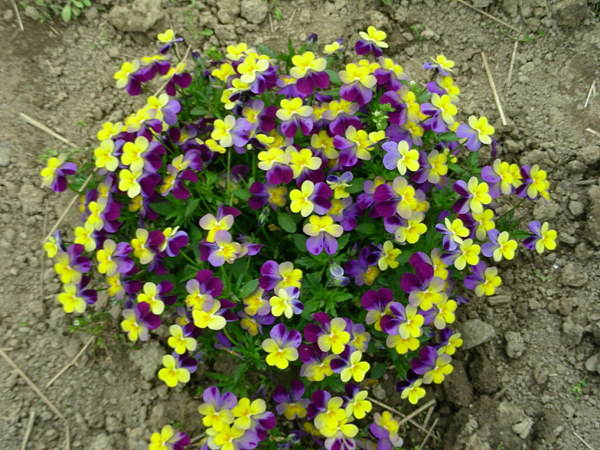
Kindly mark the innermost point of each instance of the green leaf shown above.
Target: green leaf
(343, 241)
(163, 209)
(76, 11)
(66, 13)
(300, 242)
(456, 168)
(242, 194)
(378, 371)
(291, 51)
(77, 3)
(334, 77)
(248, 288)
(449, 136)
(239, 372)
(207, 32)
(357, 186)
(266, 50)
(86, 2)
(192, 207)
(199, 111)
(286, 222)
(367, 228)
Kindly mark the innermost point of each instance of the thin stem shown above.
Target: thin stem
(228, 176)
(188, 258)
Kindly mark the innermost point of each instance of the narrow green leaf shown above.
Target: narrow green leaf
(192, 207)
(334, 77)
(449, 136)
(266, 50)
(286, 222)
(367, 228)
(199, 111)
(163, 208)
(300, 242)
(66, 13)
(248, 288)
(207, 32)
(242, 194)
(378, 371)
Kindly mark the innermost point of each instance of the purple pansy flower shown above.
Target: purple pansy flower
(174, 240)
(221, 251)
(138, 321)
(387, 435)
(322, 232)
(55, 171)
(499, 178)
(423, 287)
(223, 343)
(114, 258)
(291, 405)
(202, 290)
(70, 265)
(364, 270)
(431, 366)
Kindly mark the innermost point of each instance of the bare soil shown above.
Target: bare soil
(530, 381)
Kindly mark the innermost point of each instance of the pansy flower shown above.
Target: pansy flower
(253, 324)
(118, 287)
(483, 223)
(311, 197)
(282, 346)
(371, 41)
(484, 280)
(399, 198)
(406, 111)
(349, 365)
(276, 163)
(345, 212)
(231, 132)
(138, 321)
(433, 367)
(322, 144)
(329, 334)
(405, 321)
(433, 168)
(217, 408)
(216, 317)
(435, 260)
(54, 173)
(337, 275)
(202, 290)
(335, 47)
(76, 298)
(309, 72)
(316, 363)
(291, 404)
(411, 388)
(256, 72)
(286, 302)
(441, 111)
(501, 246)
(477, 132)
(174, 240)
(221, 251)
(179, 170)
(70, 265)
(253, 415)
(544, 237)
(156, 296)
(167, 39)
(357, 83)
(166, 108)
(466, 253)
(364, 270)
(399, 156)
(326, 411)
(176, 76)
(231, 438)
(444, 85)
(109, 131)
(146, 245)
(257, 304)
(441, 313)
(359, 338)
(155, 64)
(182, 339)
(441, 64)
(142, 154)
(534, 183)
(365, 200)
(322, 232)
(269, 193)
(449, 342)
(53, 244)
(294, 114)
(339, 184)
(390, 74)
(385, 429)
(106, 155)
(453, 232)
(341, 115)
(130, 77)
(177, 369)
(357, 404)
(354, 146)
(113, 258)
(168, 439)
(474, 195)
(423, 288)
(499, 178)
(259, 117)
(279, 276)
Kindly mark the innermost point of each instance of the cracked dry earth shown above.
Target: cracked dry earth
(527, 377)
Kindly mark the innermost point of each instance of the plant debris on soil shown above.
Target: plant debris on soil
(527, 377)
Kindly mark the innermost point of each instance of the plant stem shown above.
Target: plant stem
(227, 193)
(188, 258)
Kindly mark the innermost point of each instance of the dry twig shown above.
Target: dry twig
(493, 86)
(28, 429)
(583, 441)
(291, 18)
(18, 15)
(271, 22)
(428, 416)
(512, 64)
(395, 411)
(417, 411)
(501, 392)
(43, 127)
(60, 219)
(594, 132)
(187, 52)
(428, 434)
(592, 92)
(489, 15)
(73, 361)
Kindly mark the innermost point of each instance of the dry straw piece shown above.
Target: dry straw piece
(493, 87)
(489, 15)
(73, 361)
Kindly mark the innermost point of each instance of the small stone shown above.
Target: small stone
(523, 428)
(573, 276)
(378, 392)
(147, 359)
(113, 425)
(576, 208)
(569, 13)
(427, 34)
(32, 13)
(545, 211)
(515, 345)
(591, 363)
(590, 154)
(228, 10)
(4, 154)
(484, 375)
(508, 415)
(482, 3)
(475, 332)
(254, 11)
(114, 52)
(497, 300)
(91, 13)
(511, 7)
(8, 15)
(572, 332)
(140, 17)
(102, 442)
(457, 387)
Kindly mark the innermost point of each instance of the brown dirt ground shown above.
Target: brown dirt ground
(526, 387)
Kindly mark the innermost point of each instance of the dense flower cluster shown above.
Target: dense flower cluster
(290, 211)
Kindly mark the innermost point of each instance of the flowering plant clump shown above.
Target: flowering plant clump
(302, 216)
